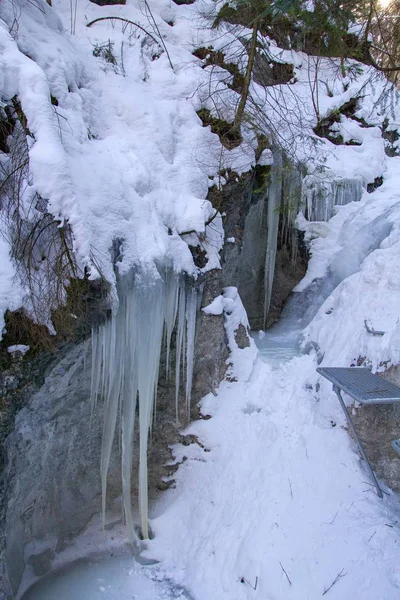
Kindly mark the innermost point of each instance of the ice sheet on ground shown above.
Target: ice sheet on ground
(278, 345)
(108, 578)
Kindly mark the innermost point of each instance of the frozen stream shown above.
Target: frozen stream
(279, 344)
(107, 578)
(276, 348)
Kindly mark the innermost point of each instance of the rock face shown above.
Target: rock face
(51, 473)
(244, 201)
(52, 462)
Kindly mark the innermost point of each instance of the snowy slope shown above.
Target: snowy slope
(278, 488)
(124, 156)
(359, 258)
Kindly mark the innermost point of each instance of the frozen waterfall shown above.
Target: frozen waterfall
(322, 195)
(274, 202)
(125, 367)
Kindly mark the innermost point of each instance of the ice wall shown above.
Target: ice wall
(125, 367)
(322, 194)
(273, 215)
(291, 191)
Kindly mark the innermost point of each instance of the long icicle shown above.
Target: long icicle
(110, 408)
(180, 337)
(125, 367)
(191, 309)
(274, 200)
(129, 401)
(149, 340)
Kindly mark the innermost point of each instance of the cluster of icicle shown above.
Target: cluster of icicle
(321, 196)
(125, 366)
(286, 196)
(283, 203)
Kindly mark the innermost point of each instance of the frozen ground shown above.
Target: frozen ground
(280, 488)
(277, 497)
(277, 346)
(108, 578)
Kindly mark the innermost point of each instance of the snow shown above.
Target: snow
(20, 348)
(274, 492)
(280, 487)
(11, 293)
(92, 155)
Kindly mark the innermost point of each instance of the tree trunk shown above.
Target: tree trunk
(247, 79)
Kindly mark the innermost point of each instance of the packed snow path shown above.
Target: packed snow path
(280, 496)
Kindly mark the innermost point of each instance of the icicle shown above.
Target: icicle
(274, 200)
(291, 203)
(129, 398)
(110, 405)
(128, 426)
(96, 369)
(149, 339)
(323, 196)
(180, 338)
(125, 367)
(191, 309)
(171, 309)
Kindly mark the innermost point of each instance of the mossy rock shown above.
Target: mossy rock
(213, 57)
(229, 136)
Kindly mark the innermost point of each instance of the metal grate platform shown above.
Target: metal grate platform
(362, 385)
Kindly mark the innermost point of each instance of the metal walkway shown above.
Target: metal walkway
(366, 388)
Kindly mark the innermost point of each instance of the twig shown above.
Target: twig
(291, 491)
(333, 520)
(373, 485)
(159, 34)
(338, 576)
(122, 59)
(127, 21)
(284, 570)
(244, 580)
(371, 536)
(373, 331)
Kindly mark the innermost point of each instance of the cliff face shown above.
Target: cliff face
(52, 462)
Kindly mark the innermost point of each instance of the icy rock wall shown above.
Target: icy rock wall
(264, 256)
(321, 195)
(52, 465)
(125, 369)
(259, 223)
(51, 474)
